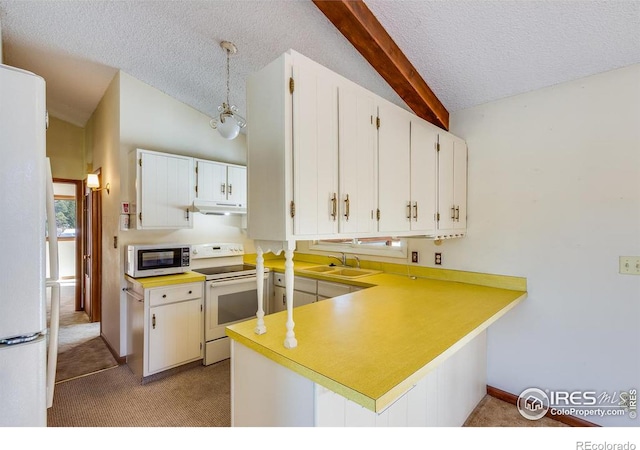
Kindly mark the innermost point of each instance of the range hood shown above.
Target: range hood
(219, 208)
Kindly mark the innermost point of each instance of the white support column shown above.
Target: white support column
(261, 328)
(290, 339)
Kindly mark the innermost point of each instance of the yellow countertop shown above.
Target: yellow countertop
(166, 280)
(372, 345)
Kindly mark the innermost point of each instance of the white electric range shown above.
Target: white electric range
(230, 293)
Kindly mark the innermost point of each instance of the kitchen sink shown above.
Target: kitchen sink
(320, 269)
(345, 272)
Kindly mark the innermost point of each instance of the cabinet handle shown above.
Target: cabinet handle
(230, 189)
(284, 299)
(346, 207)
(453, 213)
(187, 211)
(164, 296)
(223, 187)
(153, 321)
(409, 210)
(334, 206)
(457, 213)
(415, 211)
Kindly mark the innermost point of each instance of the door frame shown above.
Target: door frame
(94, 209)
(79, 238)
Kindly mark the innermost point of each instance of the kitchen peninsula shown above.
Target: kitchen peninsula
(408, 350)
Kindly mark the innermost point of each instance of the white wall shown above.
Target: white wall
(554, 196)
(102, 145)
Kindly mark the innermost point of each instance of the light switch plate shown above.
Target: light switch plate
(630, 265)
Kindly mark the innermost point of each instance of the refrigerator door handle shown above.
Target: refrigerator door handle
(54, 328)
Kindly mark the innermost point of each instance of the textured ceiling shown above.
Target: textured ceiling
(469, 52)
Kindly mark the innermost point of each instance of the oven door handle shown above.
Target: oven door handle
(218, 283)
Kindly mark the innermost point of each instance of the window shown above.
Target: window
(65, 208)
(381, 246)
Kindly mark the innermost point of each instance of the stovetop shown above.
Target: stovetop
(226, 269)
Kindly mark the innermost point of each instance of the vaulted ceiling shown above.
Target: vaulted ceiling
(469, 51)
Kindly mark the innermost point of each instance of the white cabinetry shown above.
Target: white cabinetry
(408, 172)
(220, 182)
(303, 294)
(327, 289)
(164, 190)
(357, 160)
(452, 186)
(339, 161)
(424, 138)
(164, 326)
(394, 161)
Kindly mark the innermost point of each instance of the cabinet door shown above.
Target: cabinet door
(357, 160)
(212, 181)
(175, 334)
(452, 183)
(300, 298)
(237, 185)
(446, 203)
(394, 194)
(315, 149)
(165, 191)
(424, 173)
(460, 183)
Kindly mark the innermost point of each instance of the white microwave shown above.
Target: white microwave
(157, 259)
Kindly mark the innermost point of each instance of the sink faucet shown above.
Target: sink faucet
(343, 259)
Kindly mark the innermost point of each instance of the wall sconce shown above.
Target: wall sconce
(94, 184)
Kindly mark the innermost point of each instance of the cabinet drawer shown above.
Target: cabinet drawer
(299, 283)
(328, 289)
(174, 293)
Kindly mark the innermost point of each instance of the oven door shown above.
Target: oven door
(229, 301)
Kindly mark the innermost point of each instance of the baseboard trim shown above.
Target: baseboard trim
(508, 397)
(119, 359)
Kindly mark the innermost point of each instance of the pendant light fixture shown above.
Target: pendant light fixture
(229, 122)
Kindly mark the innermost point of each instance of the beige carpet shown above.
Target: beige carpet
(492, 412)
(81, 350)
(198, 397)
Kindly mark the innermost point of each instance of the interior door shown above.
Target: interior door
(92, 254)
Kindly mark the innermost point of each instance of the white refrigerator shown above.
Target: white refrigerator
(28, 348)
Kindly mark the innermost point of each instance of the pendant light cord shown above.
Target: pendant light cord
(228, 79)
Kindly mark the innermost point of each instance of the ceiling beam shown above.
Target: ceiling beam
(358, 24)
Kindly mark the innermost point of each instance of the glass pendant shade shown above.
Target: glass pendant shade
(229, 129)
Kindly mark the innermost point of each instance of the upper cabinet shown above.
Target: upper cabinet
(424, 176)
(164, 190)
(220, 187)
(452, 186)
(329, 159)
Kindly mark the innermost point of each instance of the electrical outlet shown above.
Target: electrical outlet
(438, 260)
(414, 257)
(630, 265)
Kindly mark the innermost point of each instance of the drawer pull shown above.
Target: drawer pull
(164, 296)
(190, 292)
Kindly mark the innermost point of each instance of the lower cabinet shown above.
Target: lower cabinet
(165, 326)
(306, 290)
(303, 294)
